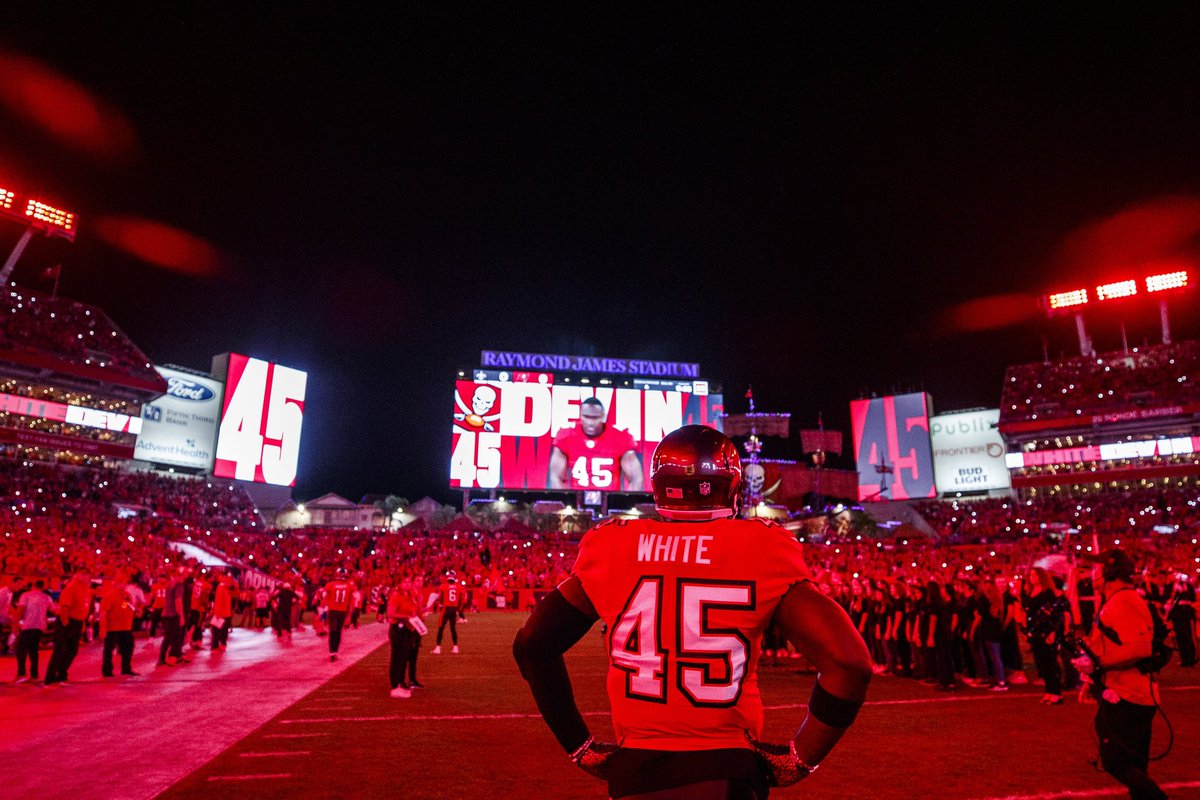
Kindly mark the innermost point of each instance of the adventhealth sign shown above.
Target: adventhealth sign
(615, 366)
(180, 427)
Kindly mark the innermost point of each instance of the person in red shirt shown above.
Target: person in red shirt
(403, 637)
(222, 613)
(594, 454)
(450, 600)
(201, 609)
(117, 610)
(686, 602)
(74, 604)
(338, 597)
(158, 591)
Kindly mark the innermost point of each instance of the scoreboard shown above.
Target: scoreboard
(258, 437)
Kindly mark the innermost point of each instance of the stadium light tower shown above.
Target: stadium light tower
(1161, 285)
(38, 217)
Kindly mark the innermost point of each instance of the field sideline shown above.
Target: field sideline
(474, 733)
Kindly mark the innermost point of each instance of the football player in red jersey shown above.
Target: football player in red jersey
(686, 602)
(338, 596)
(589, 455)
(451, 598)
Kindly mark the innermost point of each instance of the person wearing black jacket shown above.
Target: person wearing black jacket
(1047, 613)
(1181, 612)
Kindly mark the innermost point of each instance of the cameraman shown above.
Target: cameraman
(1122, 638)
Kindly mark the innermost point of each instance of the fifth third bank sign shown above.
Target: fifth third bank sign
(968, 453)
(180, 427)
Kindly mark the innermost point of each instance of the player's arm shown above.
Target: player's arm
(822, 631)
(560, 620)
(558, 478)
(631, 468)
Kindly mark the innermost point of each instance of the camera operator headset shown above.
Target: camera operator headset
(1121, 641)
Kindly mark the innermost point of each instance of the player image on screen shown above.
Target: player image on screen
(588, 455)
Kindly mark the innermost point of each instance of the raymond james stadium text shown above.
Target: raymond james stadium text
(618, 366)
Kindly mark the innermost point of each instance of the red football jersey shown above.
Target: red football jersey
(686, 605)
(338, 595)
(594, 462)
(452, 595)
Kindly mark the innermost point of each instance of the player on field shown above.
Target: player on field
(158, 591)
(685, 603)
(594, 454)
(450, 600)
(338, 597)
(200, 609)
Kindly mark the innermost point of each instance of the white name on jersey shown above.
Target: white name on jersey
(653, 547)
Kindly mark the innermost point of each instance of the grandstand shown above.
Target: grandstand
(71, 383)
(1110, 421)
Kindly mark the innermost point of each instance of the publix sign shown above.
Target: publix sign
(968, 452)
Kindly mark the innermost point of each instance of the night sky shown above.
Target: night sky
(801, 203)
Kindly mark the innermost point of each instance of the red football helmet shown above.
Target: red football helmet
(695, 473)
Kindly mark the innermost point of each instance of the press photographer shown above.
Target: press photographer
(1119, 658)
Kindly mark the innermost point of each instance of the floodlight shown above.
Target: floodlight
(1111, 291)
(37, 214)
(1076, 297)
(1167, 281)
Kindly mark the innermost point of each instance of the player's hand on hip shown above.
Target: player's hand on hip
(782, 765)
(593, 757)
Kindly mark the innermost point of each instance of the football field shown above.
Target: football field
(473, 732)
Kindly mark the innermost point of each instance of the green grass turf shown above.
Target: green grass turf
(910, 742)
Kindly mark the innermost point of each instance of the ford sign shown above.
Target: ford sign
(188, 390)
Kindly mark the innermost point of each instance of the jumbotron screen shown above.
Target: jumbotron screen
(259, 434)
(541, 436)
(892, 448)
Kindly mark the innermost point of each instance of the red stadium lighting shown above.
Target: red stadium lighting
(41, 216)
(50, 220)
(1167, 281)
(38, 217)
(1061, 300)
(1112, 291)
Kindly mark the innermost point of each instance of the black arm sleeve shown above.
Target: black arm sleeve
(552, 629)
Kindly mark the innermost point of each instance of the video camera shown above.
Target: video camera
(1078, 648)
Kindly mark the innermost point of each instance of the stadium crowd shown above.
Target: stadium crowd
(1156, 375)
(70, 331)
(1109, 514)
(964, 607)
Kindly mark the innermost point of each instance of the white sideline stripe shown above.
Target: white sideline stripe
(275, 755)
(1065, 793)
(464, 717)
(269, 776)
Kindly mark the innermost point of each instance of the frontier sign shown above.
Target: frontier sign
(614, 366)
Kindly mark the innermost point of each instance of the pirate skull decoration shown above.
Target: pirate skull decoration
(756, 478)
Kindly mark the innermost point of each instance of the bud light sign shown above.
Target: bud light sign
(179, 429)
(968, 452)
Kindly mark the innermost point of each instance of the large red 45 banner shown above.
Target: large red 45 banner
(261, 417)
(892, 448)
